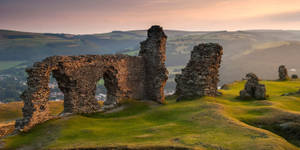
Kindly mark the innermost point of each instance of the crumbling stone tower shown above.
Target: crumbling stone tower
(153, 50)
(125, 77)
(283, 73)
(200, 77)
(253, 89)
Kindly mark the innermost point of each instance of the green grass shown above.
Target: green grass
(9, 64)
(132, 53)
(100, 82)
(12, 111)
(204, 123)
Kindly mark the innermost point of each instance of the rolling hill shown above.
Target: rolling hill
(207, 123)
(258, 51)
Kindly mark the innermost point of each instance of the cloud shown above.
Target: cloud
(285, 17)
(288, 17)
(90, 16)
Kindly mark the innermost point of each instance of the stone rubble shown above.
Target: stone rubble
(294, 76)
(283, 73)
(253, 89)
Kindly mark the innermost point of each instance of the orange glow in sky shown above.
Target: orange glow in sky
(96, 16)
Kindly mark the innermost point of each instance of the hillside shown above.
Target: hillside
(206, 123)
(258, 51)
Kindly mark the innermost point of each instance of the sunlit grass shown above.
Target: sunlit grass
(204, 123)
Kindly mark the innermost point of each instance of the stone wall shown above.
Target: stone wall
(153, 50)
(125, 77)
(200, 77)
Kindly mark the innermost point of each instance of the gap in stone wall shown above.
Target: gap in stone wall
(56, 97)
(111, 85)
(101, 91)
(106, 88)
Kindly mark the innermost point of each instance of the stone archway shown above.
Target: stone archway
(137, 77)
(111, 84)
(65, 85)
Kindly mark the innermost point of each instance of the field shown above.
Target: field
(12, 111)
(9, 64)
(221, 123)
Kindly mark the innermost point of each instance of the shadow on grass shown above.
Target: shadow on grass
(131, 108)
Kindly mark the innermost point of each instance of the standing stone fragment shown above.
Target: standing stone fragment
(283, 73)
(153, 50)
(253, 89)
(200, 77)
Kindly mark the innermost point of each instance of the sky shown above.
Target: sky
(99, 16)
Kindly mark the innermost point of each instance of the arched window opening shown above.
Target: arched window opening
(56, 98)
(100, 91)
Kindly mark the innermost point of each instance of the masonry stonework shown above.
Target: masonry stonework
(140, 77)
(201, 75)
(153, 50)
(283, 73)
(253, 89)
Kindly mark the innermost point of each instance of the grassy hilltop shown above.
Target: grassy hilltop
(222, 123)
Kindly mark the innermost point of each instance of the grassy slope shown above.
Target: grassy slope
(205, 123)
(12, 111)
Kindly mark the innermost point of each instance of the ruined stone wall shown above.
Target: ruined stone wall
(200, 77)
(153, 51)
(125, 77)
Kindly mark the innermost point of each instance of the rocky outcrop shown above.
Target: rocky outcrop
(200, 77)
(253, 89)
(153, 51)
(283, 73)
(294, 76)
(292, 93)
(125, 77)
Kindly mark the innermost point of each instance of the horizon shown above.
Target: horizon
(176, 30)
(100, 16)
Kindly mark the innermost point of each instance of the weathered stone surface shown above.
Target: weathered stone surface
(283, 73)
(294, 76)
(253, 89)
(125, 77)
(6, 129)
(153, 50)
(200, 77)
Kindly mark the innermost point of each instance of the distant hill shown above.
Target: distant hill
(258, 51)
(34, 46)
(15, 45)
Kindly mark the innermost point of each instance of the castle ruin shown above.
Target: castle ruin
(200, 77)
(140, 77)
